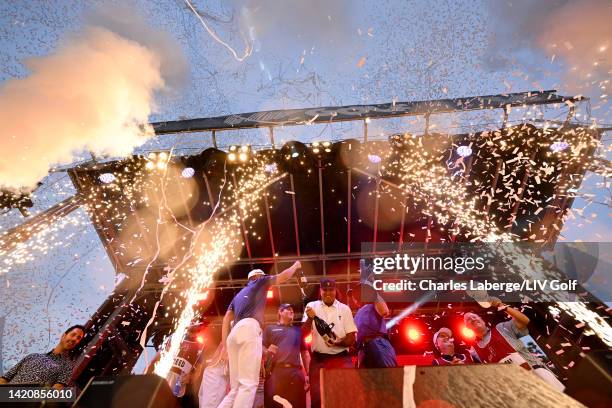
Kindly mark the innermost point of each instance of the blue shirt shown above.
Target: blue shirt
(251, 300)
(288, 339)
(369, 322)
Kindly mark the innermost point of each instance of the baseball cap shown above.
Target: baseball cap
(436, 334)
(328, 283)
(284, 306)
(255, 272)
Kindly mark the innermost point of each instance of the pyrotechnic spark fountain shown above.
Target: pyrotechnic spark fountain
(446, 199)
(219, 251)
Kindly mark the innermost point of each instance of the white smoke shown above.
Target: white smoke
(577, 33)
(95, 93)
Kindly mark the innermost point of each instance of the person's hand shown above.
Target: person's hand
(329, 342)
(456, 361)
(495, 302)
(310, 312)
(224, 357)
(273, 349)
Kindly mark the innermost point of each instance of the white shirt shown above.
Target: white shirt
(340, 315)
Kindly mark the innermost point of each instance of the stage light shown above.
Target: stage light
(187, 172)
(318, 148)
(367, 120)
(200, 339)
(559, 146)
(161, 165)
(106, 178)
(464, 151)
(214, 160)
(295, 156)
(400, 141)
(270, 294)
(413, 334)
(239, 153)
(374, 158)
(150, 165)
(271, 168)
(162, 156)
(308, 339)
(467, 333)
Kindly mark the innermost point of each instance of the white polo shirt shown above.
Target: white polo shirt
(340, 315)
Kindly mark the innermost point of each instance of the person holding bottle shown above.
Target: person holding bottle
(334, 333)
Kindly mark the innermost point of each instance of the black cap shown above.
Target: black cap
(328, 283)
(284, 306)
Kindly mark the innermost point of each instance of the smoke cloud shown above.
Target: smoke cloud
(95, 93)
(575, 32)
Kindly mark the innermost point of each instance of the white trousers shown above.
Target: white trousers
(213, 387)
(244, 352)
(550, 378)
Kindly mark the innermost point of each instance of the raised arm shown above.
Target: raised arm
(518, 318)
(288, 273)
(381, 306)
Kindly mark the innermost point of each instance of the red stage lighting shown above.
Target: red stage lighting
(308, 339)
(413, 334)
(200, 339)
(270, 294)
(467, 333)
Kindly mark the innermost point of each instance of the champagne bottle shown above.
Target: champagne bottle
(302, 282)
(324, 329)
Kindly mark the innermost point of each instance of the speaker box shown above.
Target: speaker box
(469, 386)
(131, 391)
(591, 381)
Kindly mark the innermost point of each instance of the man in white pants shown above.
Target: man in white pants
(243, 345)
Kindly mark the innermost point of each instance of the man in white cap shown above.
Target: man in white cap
(444, 343)
(243, 344)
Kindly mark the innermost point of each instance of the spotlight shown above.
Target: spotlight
(400, 141)
(106, 178)
(239, 153)
(349, 153)
(308, 340)
(271, 168)
(467, 333)
(187, 172)
(320, 148)
(150, 165)
(200, 339)
(295, 156)
(213, 160)
(413, 334)
(464, 151)
(559, 146)
(374, 158)
(20, 201)
(270, 294)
